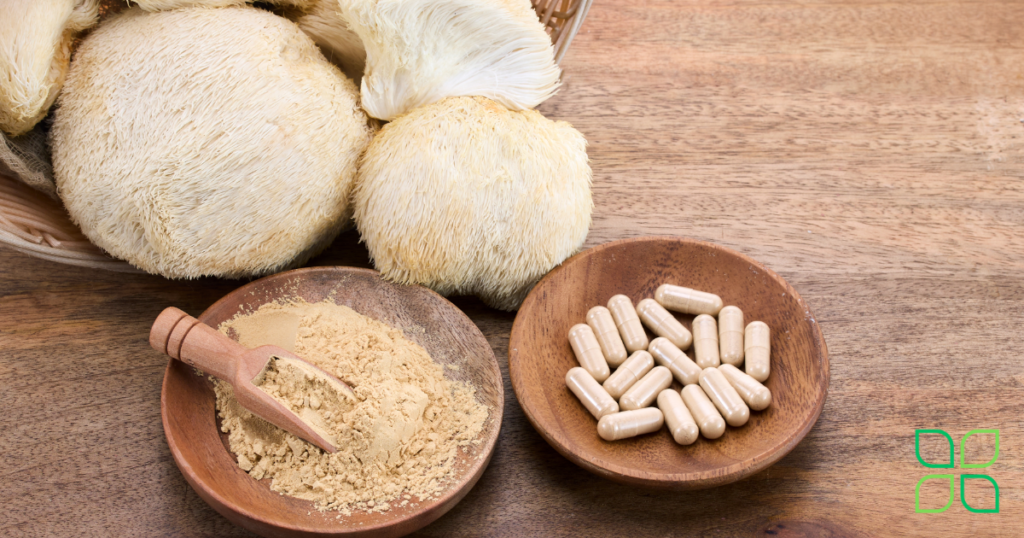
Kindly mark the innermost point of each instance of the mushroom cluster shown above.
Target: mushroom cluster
(467, 190)
(35, 49)
(466, 196)
(217, 138)
(203, 141)
(421, 51)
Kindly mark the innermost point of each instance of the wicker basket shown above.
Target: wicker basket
(35, 224)
(562, 19)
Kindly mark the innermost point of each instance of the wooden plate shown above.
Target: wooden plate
(200, 450)
(540, 356)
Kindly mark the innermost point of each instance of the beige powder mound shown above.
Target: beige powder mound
(314, 397)
(399, 439)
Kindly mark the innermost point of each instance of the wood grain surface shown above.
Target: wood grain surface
(871, 153)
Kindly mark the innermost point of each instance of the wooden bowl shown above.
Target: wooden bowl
(201, 451)
(540, 356)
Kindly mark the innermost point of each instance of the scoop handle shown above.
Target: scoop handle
(195, 343)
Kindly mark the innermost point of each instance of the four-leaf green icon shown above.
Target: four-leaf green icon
(952, 478)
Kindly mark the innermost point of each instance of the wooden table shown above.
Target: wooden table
(870, 153)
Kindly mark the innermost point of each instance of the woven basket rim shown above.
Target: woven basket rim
(68, 257)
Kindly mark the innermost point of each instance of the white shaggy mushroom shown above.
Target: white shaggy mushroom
(465, 196)
(206, 142)
(324, 22)
(35, 48)
(421, 51)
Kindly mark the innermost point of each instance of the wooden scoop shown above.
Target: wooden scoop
(191, 341)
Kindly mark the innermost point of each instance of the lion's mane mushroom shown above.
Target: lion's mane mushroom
(465, 196)
(421, 51)
(206, 142)
(35, 48)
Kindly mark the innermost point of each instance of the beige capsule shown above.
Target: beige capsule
(757, 396)
(590, 393)
(643, 392)
(678, 418)
(757, 343)
(628, 323)
(711, 424)
(631, 371)
(630, 423)
(705, 341)
(588, 352)
(662, 323)
(687, 301)
(600, 320)
(725, 398)
(666, 354)
(730, 335)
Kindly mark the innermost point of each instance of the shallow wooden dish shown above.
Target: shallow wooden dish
(540, 356)
(200, 450)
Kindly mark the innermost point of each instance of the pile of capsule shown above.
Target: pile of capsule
(715, 391)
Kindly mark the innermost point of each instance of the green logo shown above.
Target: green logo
(952, 478)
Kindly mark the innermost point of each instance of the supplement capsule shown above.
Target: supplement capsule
(631, 371)
(711, 424)
(600, 320)
(725, 398)
(687, 301)
(643, 392)
(705, 341)
(588, 352)
(662, 323)
(730, 335)
(666, 354)
(757, 396)
(679, 420)
(757, 341)
(628, 323)
(590, 394)
(630, 423)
